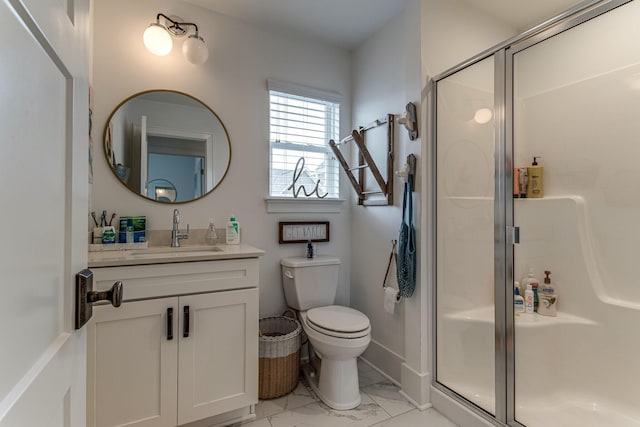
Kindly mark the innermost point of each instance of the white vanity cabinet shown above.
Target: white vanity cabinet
(182, 347)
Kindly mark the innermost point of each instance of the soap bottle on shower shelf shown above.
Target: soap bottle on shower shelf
(535, 187)
(522, 182)
(233, 231)
(535, 283)
(548, 297)
(528, 300)
(518, 301)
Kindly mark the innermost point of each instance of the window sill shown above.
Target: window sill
(303, 205)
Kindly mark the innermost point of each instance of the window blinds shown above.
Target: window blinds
(301, 126)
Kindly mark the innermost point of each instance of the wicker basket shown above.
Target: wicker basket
(279, 356)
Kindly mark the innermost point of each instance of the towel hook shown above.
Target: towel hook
(410, 121)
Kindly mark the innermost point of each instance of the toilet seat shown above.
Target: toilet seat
(338, 321)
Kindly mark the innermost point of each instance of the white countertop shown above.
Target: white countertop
(166, 254)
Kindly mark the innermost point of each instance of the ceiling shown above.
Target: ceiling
(343, 23)
(522, 14)
(348, 23)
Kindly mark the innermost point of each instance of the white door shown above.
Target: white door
(44, 192)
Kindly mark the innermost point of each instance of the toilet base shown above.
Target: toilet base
(336, 384)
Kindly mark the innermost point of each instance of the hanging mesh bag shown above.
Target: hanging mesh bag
(406, 271)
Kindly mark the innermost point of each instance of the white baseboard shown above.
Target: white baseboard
(385, 360)
(374, 367)
(416, 387)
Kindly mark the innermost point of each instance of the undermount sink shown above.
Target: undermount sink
(182, 251)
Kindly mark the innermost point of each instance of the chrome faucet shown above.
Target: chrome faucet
(176, 235)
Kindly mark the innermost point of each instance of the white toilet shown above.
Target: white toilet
(337, 334)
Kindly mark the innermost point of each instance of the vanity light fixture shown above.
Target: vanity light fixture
(158, 39)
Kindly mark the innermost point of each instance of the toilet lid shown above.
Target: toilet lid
(338, 318)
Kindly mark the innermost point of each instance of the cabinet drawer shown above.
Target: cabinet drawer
(158, 280)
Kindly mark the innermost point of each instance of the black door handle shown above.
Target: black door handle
(86, 296)
(185, 329)
(169, 323)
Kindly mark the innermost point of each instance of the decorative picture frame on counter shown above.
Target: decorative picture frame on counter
(303, 231)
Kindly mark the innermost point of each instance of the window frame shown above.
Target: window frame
(294, 90)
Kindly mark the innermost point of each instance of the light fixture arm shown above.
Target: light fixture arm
(176, 27)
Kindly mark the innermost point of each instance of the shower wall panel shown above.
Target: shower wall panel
(577, 105)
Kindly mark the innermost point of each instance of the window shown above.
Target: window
(302, 121)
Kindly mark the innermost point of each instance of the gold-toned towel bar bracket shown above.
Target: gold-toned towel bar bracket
(365, 161)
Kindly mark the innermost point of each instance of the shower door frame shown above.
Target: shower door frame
(504, 228)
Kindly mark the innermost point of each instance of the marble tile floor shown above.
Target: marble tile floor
(382, 406)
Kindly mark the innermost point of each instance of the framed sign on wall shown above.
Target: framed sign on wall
(303, 231)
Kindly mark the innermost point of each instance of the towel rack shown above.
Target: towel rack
(365, 161)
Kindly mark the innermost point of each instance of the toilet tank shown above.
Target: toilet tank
(310, 282)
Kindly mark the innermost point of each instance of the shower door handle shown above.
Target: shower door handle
(513, 235)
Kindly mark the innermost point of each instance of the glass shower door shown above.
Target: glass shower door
(465, 358)
(576, 104)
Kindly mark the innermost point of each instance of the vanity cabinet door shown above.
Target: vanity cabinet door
(132, 364)
(218, 363)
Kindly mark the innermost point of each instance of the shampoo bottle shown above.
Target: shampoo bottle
(535, 283)
(518, 302)
(535, 187)
(522, 181)
(528, 300)
(548, 297)
(233, 231)
(517, 286)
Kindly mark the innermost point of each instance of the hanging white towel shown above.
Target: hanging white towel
(390, 296)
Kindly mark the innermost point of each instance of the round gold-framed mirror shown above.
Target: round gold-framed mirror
(167, 146)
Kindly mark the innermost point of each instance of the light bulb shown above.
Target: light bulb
(195, 50)
(157, 40)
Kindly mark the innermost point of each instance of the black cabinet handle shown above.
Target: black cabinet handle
(169, 323)
(185, 329)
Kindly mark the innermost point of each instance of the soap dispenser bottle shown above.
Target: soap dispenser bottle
(535, 187)
(548, 297)
(212, 236)
(233, 231)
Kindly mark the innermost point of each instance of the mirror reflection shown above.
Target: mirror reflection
(167, 146)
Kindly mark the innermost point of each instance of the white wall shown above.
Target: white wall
(389, 70)
(453, 31)
(233, 84)
(386, 76)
